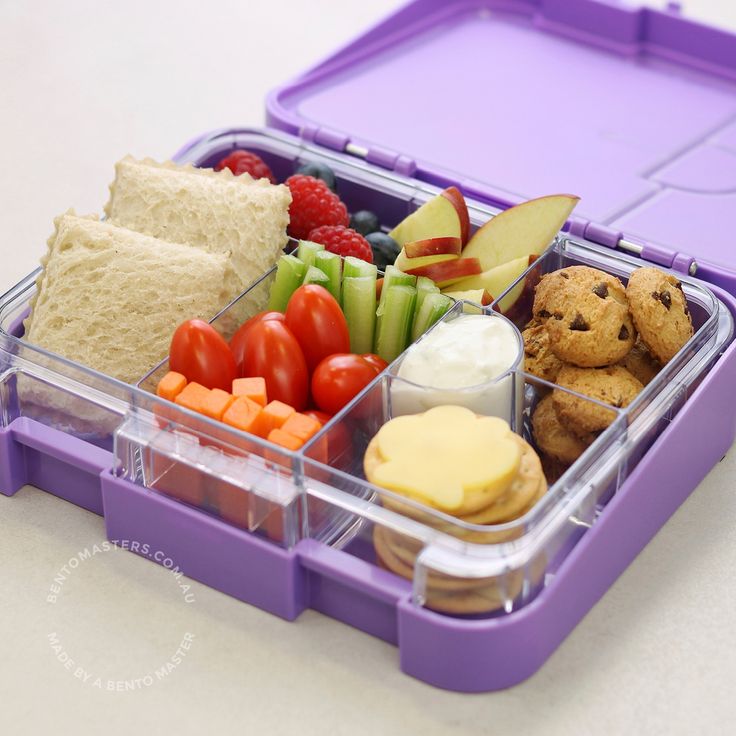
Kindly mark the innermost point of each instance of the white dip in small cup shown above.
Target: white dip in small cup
(467, 361)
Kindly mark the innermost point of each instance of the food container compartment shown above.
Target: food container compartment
(468, 568)
(287, 531)
(192, 459)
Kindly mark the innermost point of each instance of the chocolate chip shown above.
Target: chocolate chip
(544, 314)
(557, 315)
(579, 324)
(663, 297)
(601, 290)
(678, 285)
(564, 275)
(623, 333)
(687, 311)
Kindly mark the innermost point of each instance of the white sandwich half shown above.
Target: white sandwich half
(110, 298)
(217, 212)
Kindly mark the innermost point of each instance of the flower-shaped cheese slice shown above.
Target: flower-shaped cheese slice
(445, 456)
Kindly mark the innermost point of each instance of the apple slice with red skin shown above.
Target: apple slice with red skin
(448, 272)
(404, 264)
(436, 218)
(454, 195)
(524, 230)
(433, 247)
(519, 312)
(497, 280)
(472, 297)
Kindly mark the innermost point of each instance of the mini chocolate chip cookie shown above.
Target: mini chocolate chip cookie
(553, 468)
(586, 315)
(539, 360)
(659, 309)
(612, 385)
(553, 438)
(641, 363)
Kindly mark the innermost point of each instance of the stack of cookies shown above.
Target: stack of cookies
(595, 337)
(498, 478)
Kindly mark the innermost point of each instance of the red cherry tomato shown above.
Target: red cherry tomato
(339, 378)
(337, 447)
(315, 318)
(377, 362)
(240, 338)
(320, 416)
(200, 353)
(274, 353)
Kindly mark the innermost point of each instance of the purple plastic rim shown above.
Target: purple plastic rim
(673, 152)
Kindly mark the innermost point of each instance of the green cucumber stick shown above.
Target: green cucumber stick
(307, 250)
(393, 276)
(359, 306)
(330, 265)
(353, 266)
(315, 276)
(394, 328)
(433, 309)
(289, 276)
(425, 286)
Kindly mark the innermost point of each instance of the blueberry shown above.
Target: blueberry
(364, 222)
(319, 171)
(385, 249)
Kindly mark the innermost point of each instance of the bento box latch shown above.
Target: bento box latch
(659, 254)
(337, 141)
(325, 137)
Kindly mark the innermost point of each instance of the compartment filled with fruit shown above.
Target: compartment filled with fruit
(436, 240)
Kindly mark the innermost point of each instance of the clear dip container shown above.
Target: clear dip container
(500, 396)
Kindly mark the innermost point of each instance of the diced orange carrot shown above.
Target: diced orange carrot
(217, 403)
(177, 479)
(301, 426)
(233, 504)
(171, 385)
(284, 439)
(243, 414)
(379, 288)
(254, 388)
(193, 397)
(273, 416)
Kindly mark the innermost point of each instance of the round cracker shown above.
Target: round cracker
(523, 490)
(473, 502)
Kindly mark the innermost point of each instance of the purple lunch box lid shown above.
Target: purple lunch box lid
(632, 108)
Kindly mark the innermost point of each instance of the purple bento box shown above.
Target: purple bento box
(633, 109)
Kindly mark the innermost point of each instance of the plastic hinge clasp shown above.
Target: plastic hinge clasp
(603, 235)
(658, 254)
(391, 160)
(668, 258)
(331, 139)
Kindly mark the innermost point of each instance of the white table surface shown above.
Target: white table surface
(83, 83)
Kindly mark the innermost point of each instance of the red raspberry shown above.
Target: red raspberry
(245, 162)
(343, 241)
(313, 205)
